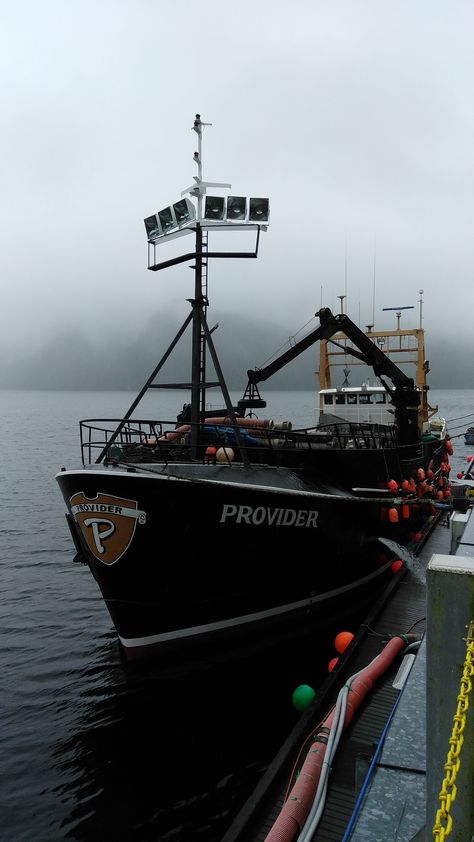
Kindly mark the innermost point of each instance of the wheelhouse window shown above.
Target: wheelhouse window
(380, 397)
(351, 399)
(365, 399)
(340, 399)
(328, 400)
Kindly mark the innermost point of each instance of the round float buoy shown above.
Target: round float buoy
(332, 664)
(225, 454)
(302, 697)
(211, 454)
(396, 565)
(342, 640)
(393, 515)
(459, 475)
(468, 458)
(392, 485)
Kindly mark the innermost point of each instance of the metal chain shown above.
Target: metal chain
(453, 761)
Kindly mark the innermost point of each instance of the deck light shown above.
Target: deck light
(259, 210)
(214, 207)
(184, 212)
(236, 207)
(153, 227)
(167, 219)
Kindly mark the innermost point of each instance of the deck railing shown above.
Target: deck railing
(145, 440)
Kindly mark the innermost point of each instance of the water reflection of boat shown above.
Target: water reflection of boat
(219, 526)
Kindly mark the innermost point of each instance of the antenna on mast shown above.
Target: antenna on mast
(373, 293)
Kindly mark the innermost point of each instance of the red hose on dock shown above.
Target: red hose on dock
(296, 808)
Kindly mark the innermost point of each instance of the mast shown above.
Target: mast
(184, 217)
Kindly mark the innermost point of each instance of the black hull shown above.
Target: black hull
(227, 555)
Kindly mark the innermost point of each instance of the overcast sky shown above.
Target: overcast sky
(355, 118)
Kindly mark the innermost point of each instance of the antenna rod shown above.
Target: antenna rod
(373, 295)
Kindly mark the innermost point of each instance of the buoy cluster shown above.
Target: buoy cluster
(304, 694)
(461, 474)
(432, 484)
(219, 454)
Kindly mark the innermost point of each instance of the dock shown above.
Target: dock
(378, 787)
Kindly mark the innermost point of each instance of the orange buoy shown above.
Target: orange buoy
(393, 515)
(342, 640)
(405, 511)
(405, 485)
(420, 473)
(396, 565)
(392, 485)
(332, 664)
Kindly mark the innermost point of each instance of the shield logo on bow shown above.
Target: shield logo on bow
(107, 523)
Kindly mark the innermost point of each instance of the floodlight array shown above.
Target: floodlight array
(178, 215)
(218, 209)
(237, 209)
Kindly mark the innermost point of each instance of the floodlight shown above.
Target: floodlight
(236, 207)
(259, 210)
(184, 212)
(214, 207)
(153, 227)
(167, 219)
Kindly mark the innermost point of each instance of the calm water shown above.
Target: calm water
(91, 747)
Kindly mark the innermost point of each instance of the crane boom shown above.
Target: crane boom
(404, 394)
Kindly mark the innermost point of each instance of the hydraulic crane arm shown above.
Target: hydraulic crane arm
(405, 396)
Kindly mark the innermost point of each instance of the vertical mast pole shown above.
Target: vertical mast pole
(197, 386)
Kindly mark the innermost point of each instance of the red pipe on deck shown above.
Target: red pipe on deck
(298, 804)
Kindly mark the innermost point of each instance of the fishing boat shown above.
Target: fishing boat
(469, 436)
(220, 528)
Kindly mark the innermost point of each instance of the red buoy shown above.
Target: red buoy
(392, 485)
(396, 565)
(405, 511)
(342, 640)
(393, 515)
(332, 664)
(459, 475)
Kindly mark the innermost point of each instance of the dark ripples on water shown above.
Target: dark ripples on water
(91, 747)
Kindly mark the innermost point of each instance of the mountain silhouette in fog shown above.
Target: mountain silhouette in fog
(72, 360)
